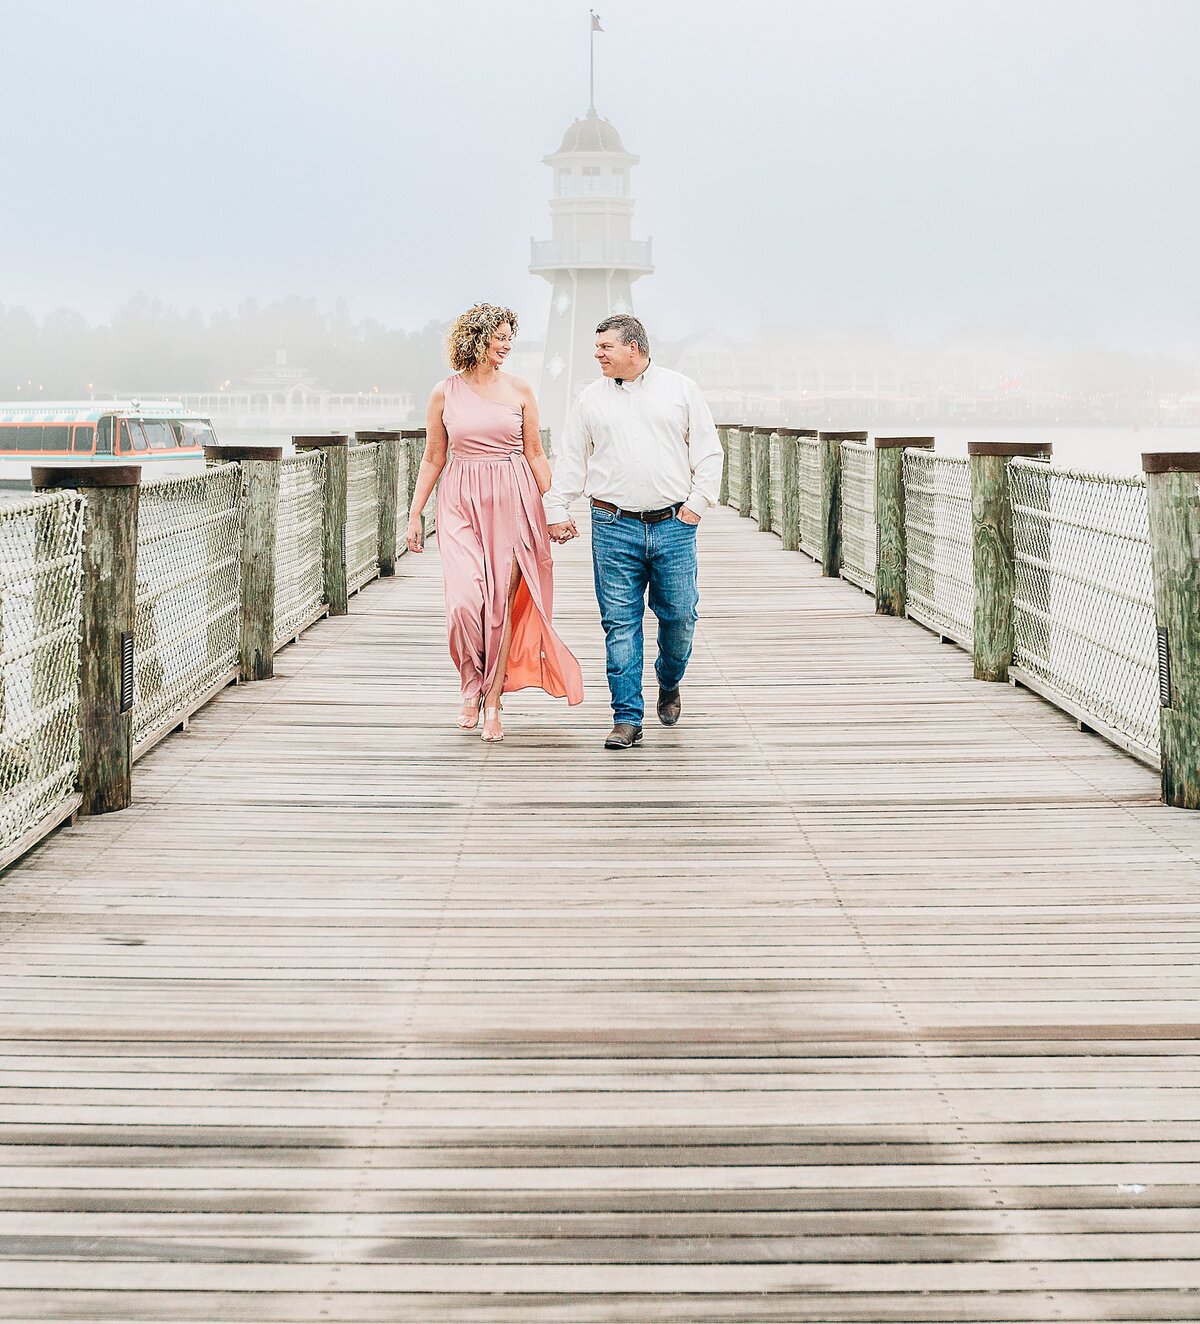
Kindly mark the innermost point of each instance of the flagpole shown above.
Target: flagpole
(591, 60)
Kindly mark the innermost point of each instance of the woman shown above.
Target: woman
(491, 527)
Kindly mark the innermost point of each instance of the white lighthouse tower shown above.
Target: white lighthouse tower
(591, 261)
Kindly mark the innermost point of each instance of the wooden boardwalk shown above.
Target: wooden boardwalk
(866, 994)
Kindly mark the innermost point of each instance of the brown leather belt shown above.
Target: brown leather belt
(646, 516)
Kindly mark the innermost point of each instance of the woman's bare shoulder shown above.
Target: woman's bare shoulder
(522, 387)
(438, 395)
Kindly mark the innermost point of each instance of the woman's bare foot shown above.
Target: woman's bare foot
(468, 717)
(492, 730)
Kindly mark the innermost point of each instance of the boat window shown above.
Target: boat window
(84, 442)
(196, 435)
(25, 438)
(132, 436)
(55, 438)
(104, 436)
(158, 434)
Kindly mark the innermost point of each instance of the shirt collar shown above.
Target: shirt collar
(638, 382)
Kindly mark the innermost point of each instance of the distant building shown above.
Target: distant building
(844, 376)
(591, 261)
(283, 399)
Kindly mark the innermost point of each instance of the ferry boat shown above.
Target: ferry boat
(160, 435)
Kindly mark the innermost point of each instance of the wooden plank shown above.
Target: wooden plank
(865, 993)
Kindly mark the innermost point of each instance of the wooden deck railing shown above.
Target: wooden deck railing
(170, 591)
(1082, 587)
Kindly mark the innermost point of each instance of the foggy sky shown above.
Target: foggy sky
(919, 164)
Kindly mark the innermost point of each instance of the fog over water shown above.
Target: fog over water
(920, 167)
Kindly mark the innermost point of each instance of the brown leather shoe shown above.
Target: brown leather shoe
(669, 706)
(624, 735)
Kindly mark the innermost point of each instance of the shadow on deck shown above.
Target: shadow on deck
(867, 993)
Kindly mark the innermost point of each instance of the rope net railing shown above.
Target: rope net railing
(776, 483)
(1083, 612)
(299, 556)
(362, 515)
(185, 632)
(40, 592)
(808, 485)
(858, 514)
(429, 514)
(937, 522)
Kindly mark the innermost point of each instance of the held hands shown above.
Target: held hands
(415, 536)
(563, 531)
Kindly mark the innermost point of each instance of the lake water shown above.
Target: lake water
(1106, 450)
(1115, 450)
(1095, 449)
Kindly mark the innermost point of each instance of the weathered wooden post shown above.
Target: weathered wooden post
(547, 441)
(387, 472)
(259, 467)
(891, 544)
(762, 477)
(1173, 494)
(992, 551)
(333, 521)
(106, 647)
(830, 460)
(723, 432)
(789, 485)
(789, 490)
(746, 463)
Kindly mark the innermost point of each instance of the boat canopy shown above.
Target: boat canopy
(91, 411)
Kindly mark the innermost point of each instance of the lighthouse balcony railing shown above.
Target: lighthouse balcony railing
(625, 254)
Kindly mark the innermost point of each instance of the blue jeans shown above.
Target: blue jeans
(629, 558)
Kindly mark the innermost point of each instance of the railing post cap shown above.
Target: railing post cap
(52, 477)
(412, 432)
(1171, 462)
(899, 443)
(797, 432)
(1036, 449)
(841, 436)
(231, 454)
(384, 434)
(316, 443)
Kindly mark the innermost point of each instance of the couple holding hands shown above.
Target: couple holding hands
(641, 442)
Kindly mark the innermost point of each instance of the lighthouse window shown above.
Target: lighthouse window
(618, 183)
(564, 184)
(591, 179)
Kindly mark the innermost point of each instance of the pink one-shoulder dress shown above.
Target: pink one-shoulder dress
(489, 514)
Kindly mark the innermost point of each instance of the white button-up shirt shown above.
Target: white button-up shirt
(642, 445)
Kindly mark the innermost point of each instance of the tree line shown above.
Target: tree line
(149, 346)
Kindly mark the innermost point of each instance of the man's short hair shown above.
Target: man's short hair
(629, 331)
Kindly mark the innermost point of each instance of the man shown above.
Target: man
(641, 441)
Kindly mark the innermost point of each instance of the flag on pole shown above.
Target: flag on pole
(596, 22)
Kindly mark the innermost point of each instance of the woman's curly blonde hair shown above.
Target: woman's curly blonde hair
(467, 340)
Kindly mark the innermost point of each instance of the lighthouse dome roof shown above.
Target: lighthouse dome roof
(592, 134)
